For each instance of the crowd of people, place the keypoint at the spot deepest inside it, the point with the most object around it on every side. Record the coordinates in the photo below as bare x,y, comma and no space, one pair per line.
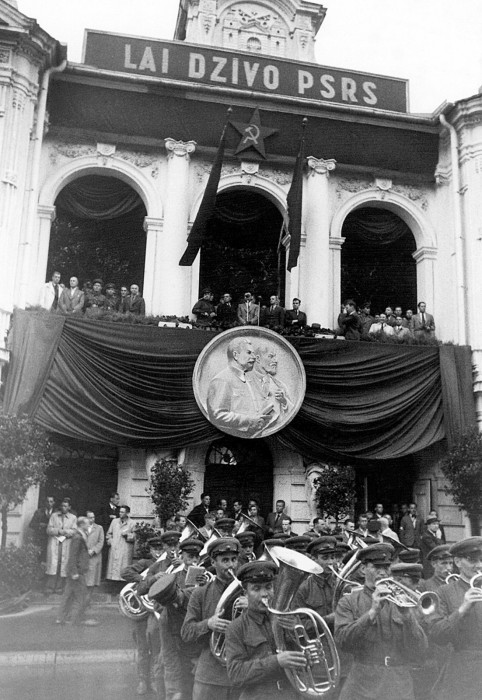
190,648
93,299
361,324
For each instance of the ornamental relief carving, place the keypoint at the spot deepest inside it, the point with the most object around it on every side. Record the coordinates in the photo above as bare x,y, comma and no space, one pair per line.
4,55
414,194
347,186
70,150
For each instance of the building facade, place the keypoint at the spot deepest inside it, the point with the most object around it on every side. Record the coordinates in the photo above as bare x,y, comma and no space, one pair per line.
129,114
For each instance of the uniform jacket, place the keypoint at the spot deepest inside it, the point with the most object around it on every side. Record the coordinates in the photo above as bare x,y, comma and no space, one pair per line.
248,316
78,561
316,592
136,305
121,548
71,303
292,315
202,605
203,309
95,541
401,639
461,678
251,659
233,401
68,525
273,522
409,533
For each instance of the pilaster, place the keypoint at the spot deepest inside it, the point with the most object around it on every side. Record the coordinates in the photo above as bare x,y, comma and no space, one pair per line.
152,283
45,216
335,279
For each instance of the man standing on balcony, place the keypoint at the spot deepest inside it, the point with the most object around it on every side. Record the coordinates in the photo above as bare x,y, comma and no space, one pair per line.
248,311
50,293
72,300
136,305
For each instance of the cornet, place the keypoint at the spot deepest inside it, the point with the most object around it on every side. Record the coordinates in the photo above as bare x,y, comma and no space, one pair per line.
404,597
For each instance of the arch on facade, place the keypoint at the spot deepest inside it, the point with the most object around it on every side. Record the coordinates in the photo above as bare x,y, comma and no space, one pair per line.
104,166
246,182
422,231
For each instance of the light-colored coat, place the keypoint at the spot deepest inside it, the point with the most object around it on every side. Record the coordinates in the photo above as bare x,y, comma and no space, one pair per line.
120,538
47,295
59,524
71,302
95,542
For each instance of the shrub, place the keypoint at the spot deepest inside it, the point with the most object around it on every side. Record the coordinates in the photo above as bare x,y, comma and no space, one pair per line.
20,570
169,488
143,531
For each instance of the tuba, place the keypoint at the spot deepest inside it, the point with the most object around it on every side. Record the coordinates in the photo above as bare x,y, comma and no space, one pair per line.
190,530
247,523
309,632
343,579
229,604
404,597
133,605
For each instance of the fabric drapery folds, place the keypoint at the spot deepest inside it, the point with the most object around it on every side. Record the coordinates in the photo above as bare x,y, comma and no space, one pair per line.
129,384
97,197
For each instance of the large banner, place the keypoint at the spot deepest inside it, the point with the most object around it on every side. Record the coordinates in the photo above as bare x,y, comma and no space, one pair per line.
206,65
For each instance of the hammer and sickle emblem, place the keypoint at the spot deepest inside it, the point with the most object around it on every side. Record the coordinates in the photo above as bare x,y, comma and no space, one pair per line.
252,134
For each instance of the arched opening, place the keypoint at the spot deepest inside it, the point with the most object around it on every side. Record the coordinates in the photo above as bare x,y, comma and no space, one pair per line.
243,250
240,469
98,232
377,261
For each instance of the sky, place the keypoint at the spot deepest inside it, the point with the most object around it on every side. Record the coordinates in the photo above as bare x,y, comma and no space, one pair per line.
436,44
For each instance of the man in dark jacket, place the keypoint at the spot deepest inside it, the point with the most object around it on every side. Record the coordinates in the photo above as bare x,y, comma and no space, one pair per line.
74,595
350,323
39,524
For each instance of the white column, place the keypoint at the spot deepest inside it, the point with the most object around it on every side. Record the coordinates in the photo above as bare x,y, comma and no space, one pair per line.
152,279
335,280
425,258
173,283
314,287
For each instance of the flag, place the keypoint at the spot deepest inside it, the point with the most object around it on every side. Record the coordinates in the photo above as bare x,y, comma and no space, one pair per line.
295,203
199,228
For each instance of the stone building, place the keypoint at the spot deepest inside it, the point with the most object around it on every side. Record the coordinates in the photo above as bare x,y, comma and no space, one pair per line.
141,119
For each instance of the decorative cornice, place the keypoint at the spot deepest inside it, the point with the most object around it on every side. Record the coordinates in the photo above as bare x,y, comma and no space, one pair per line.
443,175
151,223
46,211
336,243
183,149
320,166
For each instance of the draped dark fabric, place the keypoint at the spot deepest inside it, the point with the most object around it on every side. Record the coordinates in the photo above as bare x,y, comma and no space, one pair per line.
97,197
130,384
376,226
457,393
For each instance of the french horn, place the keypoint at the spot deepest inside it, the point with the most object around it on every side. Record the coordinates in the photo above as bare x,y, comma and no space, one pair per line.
306,630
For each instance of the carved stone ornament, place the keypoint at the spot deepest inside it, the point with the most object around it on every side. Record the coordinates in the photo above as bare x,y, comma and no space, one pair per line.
383,183
141,160
4,55
106,149
414,194
70,150
279,176
249,168
443,175
247,397
320,166
250,16
351,186
179,148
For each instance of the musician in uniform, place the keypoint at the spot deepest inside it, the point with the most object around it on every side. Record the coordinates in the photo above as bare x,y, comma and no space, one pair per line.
253,662
458,620
298,543
383,638
442,562
172,596
246,540
211,680
146,630
317,591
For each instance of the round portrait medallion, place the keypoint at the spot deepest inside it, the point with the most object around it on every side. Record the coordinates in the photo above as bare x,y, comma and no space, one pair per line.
249,382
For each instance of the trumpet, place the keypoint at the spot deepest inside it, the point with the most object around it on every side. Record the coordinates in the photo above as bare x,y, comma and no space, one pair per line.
404,597
475,582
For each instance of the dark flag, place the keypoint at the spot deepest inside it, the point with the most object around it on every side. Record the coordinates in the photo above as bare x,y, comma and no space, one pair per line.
206,208
295,203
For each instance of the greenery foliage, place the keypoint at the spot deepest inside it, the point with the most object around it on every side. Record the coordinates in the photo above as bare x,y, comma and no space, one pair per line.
169,489
20,570
24,458
462,467
144,531
335,490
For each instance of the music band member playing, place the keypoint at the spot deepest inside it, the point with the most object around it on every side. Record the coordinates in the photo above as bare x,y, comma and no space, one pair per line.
252,660
458,620
317,591
383,638
442,563
211,680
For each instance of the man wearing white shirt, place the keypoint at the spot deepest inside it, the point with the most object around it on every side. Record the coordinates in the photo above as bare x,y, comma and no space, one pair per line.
50,293
381,327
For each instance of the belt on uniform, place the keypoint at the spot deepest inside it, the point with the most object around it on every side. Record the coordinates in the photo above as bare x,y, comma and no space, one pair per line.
388,661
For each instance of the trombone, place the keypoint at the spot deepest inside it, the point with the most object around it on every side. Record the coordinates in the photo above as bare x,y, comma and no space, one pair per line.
404,597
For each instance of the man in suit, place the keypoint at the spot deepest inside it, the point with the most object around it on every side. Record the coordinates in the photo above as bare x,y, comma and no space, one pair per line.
423,323
408,320
399,331
226,312
350,323
248,311
95,543
39,525
411,527
72,300
123,307
50,293
136,304
273,520
196,516
294,318
274,315
74,596
429,541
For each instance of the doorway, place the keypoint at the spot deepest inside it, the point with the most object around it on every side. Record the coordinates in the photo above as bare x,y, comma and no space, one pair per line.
240,470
